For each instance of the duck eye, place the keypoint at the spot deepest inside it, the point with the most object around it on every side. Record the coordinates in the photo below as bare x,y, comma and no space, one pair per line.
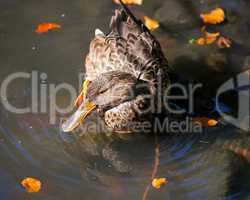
102,91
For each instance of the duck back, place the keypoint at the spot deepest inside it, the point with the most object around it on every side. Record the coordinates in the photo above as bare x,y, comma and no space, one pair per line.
129,47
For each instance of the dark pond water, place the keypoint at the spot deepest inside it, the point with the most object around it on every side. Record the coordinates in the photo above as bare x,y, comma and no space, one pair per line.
198,166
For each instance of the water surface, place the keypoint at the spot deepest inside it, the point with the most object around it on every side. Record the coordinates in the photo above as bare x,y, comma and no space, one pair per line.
73,166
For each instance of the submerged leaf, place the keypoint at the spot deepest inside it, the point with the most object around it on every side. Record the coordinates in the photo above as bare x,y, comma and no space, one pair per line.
216,16
159,182
129,2
151,24
31,184
45,27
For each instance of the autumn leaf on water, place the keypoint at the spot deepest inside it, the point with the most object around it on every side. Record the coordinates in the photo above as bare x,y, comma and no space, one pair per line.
159,182
129,2
224,42
216,16
205,121
208,38
31,185
45,27
151,24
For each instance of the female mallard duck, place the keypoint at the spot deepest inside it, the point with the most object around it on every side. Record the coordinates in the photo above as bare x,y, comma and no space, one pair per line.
126,71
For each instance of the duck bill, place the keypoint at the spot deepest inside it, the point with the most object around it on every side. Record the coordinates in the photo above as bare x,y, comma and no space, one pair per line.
78,117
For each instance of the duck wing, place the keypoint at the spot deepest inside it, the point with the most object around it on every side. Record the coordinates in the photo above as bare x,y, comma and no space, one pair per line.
129,47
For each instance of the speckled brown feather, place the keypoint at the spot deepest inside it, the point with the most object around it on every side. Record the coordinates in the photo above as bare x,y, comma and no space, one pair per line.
129,47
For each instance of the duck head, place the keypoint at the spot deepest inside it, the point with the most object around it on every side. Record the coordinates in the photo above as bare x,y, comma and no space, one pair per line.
108,91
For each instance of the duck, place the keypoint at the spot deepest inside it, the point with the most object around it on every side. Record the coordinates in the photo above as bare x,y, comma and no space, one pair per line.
126,76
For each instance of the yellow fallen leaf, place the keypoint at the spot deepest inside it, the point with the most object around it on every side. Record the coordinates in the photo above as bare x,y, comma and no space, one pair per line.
151,24
216,16
129,2
224,42
31,184
159,182
205,122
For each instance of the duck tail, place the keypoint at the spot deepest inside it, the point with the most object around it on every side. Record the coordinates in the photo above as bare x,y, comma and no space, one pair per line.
128,12
123,18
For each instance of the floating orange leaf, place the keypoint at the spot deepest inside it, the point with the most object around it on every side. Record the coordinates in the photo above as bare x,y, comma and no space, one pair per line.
205,122
206,41
224,42
151,24
159,182
31,184
129,2
45,27
216,16
208,38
